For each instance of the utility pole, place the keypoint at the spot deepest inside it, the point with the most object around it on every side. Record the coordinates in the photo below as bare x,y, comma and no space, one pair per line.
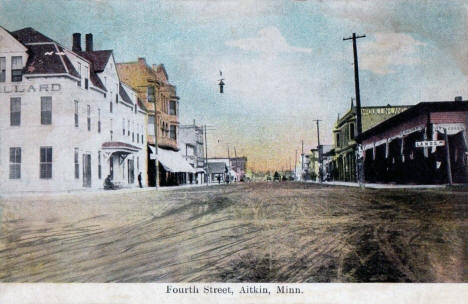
295,165
206,157
319,150
156,160
360,173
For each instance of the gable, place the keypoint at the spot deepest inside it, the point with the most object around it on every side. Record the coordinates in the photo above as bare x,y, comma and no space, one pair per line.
8,44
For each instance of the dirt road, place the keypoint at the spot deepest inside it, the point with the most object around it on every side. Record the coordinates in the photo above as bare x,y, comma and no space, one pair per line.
263,232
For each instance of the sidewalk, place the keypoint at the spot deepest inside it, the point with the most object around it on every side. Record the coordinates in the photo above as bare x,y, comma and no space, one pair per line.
378,186
104,192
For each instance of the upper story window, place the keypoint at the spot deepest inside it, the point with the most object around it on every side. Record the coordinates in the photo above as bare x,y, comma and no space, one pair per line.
337,139
88,112
76,113
99,121
2,69
351,131
150,94
111,131
173,107
79,72
46,110
15,111
16,68
86,80
123,126
110,106
128,130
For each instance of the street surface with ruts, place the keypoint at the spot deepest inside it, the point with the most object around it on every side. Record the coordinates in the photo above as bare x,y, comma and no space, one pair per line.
255,232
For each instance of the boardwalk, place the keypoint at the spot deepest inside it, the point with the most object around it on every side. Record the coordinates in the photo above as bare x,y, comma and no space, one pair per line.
273,232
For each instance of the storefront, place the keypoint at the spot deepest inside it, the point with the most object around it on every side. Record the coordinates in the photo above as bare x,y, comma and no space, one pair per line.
418,145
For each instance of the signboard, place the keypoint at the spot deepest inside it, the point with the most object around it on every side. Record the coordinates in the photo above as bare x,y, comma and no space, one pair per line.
429,143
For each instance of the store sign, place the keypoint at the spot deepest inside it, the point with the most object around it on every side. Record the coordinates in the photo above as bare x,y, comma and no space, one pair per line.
19,88
429,143
382,110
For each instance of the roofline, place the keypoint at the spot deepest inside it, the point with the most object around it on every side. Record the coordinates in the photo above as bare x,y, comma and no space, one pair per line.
423,107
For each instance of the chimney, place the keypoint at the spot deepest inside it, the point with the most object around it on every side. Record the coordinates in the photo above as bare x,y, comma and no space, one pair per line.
76,42
458,98
89,42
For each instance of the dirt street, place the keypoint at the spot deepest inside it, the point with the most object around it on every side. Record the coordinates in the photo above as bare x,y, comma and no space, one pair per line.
258,232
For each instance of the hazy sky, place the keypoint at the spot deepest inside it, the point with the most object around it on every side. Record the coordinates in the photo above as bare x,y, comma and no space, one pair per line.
284,62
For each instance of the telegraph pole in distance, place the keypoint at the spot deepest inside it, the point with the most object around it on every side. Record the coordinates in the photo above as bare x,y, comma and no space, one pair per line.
360,171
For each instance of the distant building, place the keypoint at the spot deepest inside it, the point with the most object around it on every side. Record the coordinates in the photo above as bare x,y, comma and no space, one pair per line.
314,162
236,167
217,171
343,167
67,121
191,147
391,154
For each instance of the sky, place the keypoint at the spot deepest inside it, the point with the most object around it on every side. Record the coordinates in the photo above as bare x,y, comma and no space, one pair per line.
284,62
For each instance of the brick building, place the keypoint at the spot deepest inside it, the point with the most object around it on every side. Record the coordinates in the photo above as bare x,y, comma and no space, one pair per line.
152,86
391,155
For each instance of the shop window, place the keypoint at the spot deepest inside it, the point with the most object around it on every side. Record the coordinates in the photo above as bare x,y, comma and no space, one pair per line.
15,163
2,69
46,162
77,164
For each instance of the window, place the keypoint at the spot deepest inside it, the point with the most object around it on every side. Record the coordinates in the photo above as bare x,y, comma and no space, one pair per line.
173,107
76,113
77,164
111,131
86,81
110,106
123,126
138,163
46,162
15,163
172,133
46,110
136,108
150,94
351,131
99,165
142,139
338,139
15,111
79,72
189,150
116,98
88,112
99,121
16,68
2,69
128,130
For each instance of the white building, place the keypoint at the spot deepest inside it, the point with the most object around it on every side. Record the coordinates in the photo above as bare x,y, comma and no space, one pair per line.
67,121
192,149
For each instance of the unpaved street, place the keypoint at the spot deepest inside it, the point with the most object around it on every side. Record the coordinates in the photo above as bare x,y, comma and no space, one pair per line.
258,232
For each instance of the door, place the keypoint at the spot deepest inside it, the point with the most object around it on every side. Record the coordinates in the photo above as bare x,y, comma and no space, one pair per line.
131,172
111,166
86,170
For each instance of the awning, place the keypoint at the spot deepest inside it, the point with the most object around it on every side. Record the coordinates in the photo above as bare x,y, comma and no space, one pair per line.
172,161
118,146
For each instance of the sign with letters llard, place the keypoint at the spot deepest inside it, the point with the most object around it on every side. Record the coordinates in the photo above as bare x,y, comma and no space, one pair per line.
429,143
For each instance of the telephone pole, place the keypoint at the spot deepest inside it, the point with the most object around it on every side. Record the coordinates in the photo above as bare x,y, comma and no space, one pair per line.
319,150
359,166
356,81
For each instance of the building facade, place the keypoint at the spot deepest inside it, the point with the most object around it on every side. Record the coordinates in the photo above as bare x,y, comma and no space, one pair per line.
402,149
191,147
343,166
152,86
60,129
